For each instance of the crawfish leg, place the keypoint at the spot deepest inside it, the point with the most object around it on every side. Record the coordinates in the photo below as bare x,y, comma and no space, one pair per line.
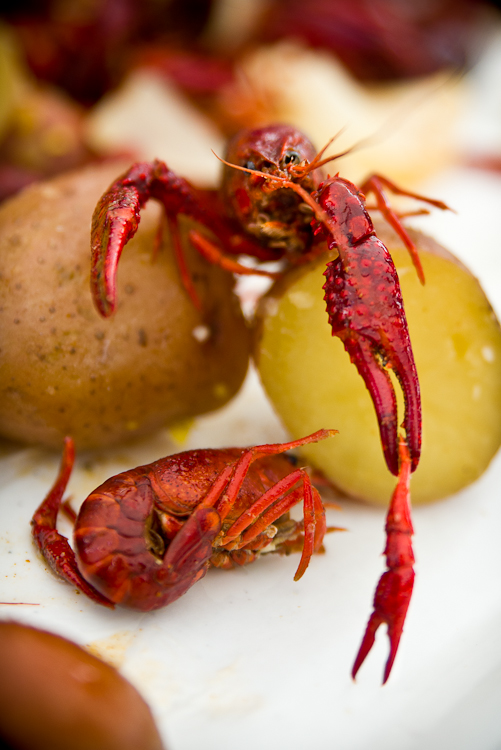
274,503
184,272
53,545
224,492
188,555
375,184
394,590
240,469
212,252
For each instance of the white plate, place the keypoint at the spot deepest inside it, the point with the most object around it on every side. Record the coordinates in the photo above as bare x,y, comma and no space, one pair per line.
249,658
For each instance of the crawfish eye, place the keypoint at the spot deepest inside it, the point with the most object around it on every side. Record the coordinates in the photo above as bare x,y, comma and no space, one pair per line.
249,165
291,157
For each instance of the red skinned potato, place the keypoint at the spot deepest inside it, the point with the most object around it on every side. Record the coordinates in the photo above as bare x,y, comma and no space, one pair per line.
64,370
54,695
456,339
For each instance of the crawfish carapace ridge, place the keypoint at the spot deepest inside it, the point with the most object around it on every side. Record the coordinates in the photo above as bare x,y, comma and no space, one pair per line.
145,536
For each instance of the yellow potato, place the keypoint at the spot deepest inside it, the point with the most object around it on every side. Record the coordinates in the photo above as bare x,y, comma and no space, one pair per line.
456,340
63,368
54,695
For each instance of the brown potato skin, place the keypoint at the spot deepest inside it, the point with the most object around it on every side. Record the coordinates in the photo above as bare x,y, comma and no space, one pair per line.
54,695
64,369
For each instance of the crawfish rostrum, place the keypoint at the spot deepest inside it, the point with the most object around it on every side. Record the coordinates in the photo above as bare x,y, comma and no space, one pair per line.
276,204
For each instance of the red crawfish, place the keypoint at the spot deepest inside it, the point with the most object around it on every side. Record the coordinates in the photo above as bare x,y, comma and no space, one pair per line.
263,209
145,536
274,203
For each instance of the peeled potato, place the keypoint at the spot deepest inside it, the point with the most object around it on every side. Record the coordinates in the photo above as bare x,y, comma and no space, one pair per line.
456,340
54,695
64,370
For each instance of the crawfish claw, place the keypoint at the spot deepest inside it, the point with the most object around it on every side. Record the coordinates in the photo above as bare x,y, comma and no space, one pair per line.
391,601
117,216
372,356
394,590
381,390
114,223
371,323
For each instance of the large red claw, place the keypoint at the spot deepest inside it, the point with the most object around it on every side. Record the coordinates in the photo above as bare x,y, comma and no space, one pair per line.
114,223
117,215
365,309
394,590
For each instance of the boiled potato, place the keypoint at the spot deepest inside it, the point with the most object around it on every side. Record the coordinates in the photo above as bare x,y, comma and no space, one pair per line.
456,340
54,695
64,369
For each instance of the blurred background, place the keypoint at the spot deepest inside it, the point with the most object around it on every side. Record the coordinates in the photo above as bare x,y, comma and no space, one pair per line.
172,79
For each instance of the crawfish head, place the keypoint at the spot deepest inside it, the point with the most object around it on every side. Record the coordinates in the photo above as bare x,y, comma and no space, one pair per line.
276,216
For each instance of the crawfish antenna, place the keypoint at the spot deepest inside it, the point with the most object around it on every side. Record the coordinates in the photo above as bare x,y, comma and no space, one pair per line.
301,170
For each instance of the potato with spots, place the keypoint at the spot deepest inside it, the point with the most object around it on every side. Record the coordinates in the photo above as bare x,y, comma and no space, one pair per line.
63,368
54,695
456,340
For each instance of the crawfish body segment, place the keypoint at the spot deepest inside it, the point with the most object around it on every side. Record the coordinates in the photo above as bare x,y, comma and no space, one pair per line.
365,309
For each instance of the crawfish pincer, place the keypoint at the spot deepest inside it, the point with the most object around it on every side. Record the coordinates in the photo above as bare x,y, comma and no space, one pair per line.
394,590
366,311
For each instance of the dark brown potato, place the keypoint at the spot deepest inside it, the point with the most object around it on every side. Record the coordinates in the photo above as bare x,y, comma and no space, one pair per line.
64,369
55,696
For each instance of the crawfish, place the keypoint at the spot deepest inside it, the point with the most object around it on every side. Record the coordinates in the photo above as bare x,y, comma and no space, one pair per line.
263,210
274,203
145,536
